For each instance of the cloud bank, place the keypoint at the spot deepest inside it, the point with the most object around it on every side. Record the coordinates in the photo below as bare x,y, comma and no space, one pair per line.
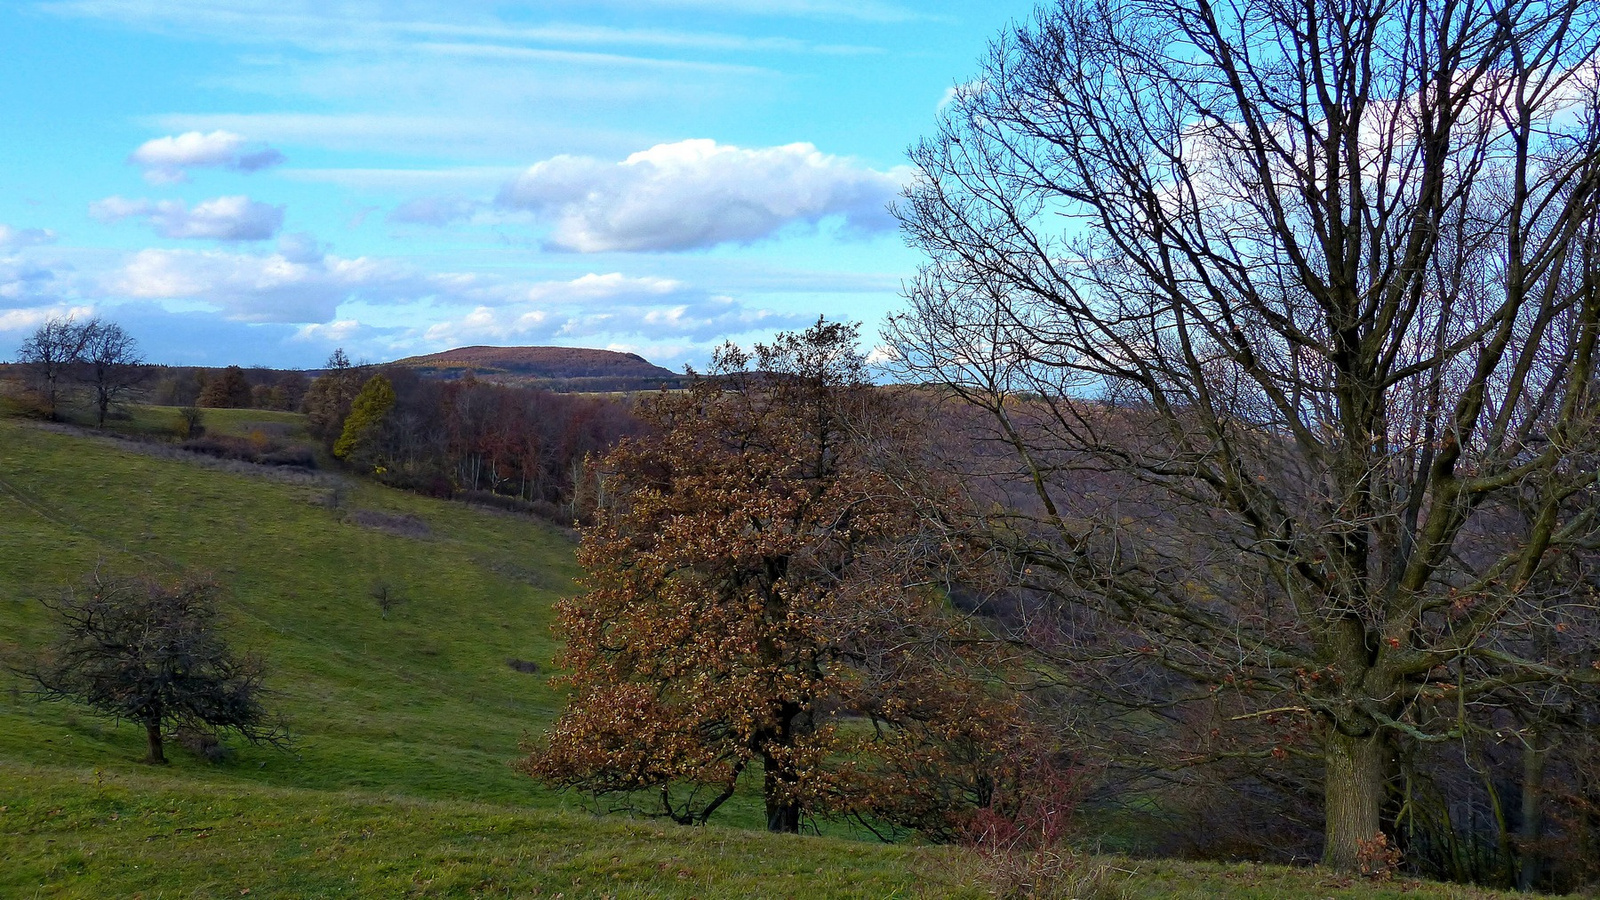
297,284
698,193
611,304
223,219
166,160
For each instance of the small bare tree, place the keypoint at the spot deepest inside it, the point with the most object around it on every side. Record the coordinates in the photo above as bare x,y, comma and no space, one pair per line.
133,648
1285,317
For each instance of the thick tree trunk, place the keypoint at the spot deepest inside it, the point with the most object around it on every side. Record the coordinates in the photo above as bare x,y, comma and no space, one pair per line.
779,778
783,813
783,816
1353,780
152,732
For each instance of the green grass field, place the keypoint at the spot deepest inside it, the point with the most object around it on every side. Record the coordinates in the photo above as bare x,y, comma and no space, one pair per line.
400,782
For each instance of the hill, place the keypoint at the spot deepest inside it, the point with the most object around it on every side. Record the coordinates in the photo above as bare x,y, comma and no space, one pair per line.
541,364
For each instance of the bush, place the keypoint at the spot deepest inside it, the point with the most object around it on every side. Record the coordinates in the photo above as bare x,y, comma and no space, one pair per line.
190,422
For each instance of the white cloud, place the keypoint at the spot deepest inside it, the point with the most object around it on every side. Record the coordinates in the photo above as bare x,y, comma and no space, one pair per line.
28,319
282,287
337,332
236,218
965,92
166,160
699,193
611,286
608,305
25,279
441,134
13,239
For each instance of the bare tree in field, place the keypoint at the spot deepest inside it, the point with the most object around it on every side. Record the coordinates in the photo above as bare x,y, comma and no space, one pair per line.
152,653
1311,293
50,354
111,364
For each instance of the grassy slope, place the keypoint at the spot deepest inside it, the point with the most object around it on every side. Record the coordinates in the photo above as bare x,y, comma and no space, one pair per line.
400,783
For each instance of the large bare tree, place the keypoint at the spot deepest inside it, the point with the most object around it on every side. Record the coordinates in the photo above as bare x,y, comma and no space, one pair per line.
1308,294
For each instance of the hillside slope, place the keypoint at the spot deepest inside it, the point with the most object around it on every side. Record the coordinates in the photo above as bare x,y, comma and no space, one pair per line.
421,702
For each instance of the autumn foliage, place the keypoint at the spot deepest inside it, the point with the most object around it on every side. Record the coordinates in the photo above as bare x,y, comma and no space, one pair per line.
759,598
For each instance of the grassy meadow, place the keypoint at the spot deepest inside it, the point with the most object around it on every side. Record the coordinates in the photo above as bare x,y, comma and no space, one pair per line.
405,723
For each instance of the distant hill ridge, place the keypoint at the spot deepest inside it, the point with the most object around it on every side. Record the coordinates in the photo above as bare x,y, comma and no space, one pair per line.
537,362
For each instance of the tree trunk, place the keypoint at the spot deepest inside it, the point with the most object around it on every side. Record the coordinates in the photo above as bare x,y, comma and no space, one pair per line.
1353,781
152,733
1533,757
783,815
778,775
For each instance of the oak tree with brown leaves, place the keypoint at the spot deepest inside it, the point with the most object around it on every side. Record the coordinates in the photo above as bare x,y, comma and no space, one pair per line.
759,597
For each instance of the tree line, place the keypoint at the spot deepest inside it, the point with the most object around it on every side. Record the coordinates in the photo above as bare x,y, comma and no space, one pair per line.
516,445
522,445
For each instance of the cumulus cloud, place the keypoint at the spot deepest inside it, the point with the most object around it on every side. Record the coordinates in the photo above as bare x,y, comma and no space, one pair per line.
235,218
611,286
337,332
14,239
699,193
23,283
166,160
281,287
965,92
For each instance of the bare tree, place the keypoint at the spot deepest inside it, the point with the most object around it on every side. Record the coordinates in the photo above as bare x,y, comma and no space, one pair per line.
112,365
135,649
1310,294
50,353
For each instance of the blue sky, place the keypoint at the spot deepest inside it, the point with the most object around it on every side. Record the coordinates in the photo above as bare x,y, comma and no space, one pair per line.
259,181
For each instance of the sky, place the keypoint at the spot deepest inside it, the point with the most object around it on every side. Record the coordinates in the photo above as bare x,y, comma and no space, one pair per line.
261,181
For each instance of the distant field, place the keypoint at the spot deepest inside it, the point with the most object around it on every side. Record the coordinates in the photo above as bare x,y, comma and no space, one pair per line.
400,783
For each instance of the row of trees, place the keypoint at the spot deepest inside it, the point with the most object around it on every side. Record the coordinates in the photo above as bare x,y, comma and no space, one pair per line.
450,437
94,354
